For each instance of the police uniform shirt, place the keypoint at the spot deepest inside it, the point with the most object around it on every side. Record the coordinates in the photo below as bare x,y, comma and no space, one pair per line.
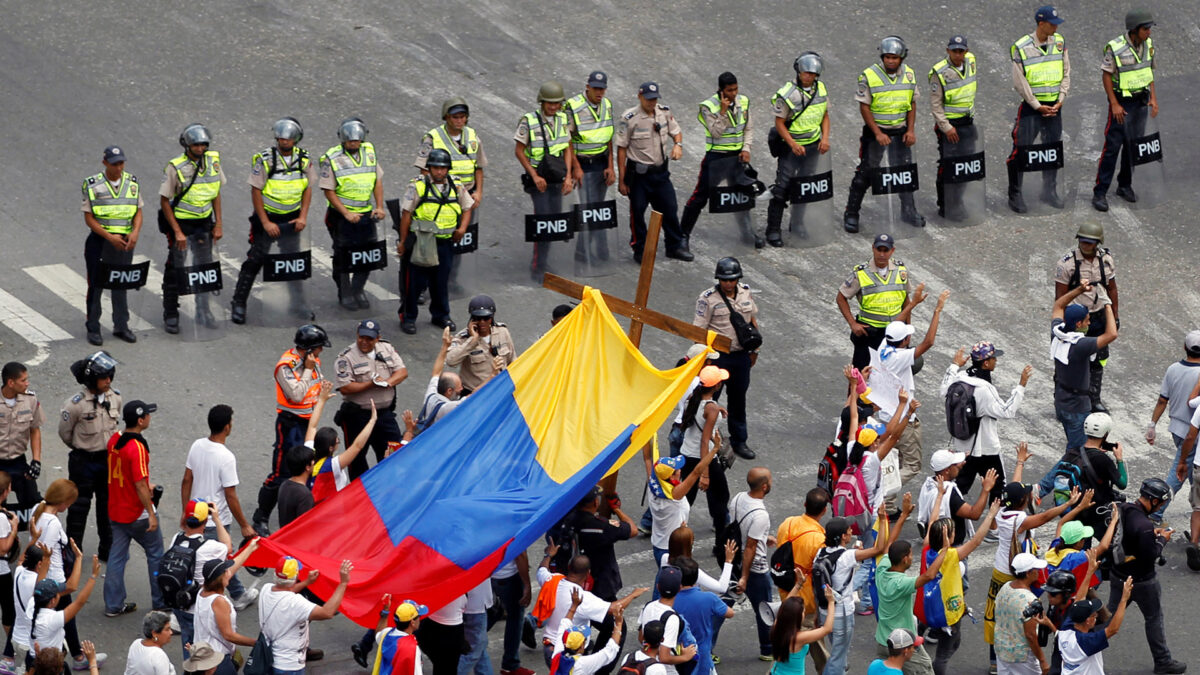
327,181
89,420
852,289
1089,270
635,132
17,417
171,185
354,366
427,147
1110,67
409,202
1018,72
87,204
717,123
473,356
799,96
259,169
713,314
587,111
863,93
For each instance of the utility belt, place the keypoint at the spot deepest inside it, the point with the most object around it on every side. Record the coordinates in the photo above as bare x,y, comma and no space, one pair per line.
353,409
291,417
1140,97
600,161
188,226
964,121
637,168
101,451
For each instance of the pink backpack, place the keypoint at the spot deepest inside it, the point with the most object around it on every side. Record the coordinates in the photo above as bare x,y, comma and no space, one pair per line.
850,499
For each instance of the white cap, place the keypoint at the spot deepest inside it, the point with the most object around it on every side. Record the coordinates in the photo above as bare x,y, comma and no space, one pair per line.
1191,341
944,459
695,350
1023,562
898,330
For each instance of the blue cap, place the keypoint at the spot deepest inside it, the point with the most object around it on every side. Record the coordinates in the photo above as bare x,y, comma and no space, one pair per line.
114,154
957,42
884,239
649,90
1048,14
598,80
675,462
368,328
48,588
1073,314
670,580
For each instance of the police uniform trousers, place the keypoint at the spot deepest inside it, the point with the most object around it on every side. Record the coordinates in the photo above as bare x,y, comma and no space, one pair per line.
1032,125
1097,324
968,138
256,255
652,187
289,432
546,201
717,496
1117,139
788,167
88,469
24,495
863,344
172,271
352,419
344,234
738,365
592,189
414,279
94,248
701,194
870,156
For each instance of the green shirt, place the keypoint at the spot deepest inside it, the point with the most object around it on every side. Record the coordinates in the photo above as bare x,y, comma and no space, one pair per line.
897,591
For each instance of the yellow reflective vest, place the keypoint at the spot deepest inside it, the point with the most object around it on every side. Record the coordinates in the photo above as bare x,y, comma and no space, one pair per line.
1043,69
113,209
891,98
958,88
734,136
438,207
462,153
355,177
546,135
287,178
1133,72
882,297
593,128
197,201
805,127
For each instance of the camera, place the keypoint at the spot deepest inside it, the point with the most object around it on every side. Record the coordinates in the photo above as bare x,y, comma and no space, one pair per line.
1034,609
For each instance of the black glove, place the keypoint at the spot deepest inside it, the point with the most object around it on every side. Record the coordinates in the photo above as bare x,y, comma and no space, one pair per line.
35,469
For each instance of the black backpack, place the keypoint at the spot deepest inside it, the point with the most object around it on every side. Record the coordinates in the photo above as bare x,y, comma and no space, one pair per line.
783,567
962,420
733,532
632,666
823,568
176,575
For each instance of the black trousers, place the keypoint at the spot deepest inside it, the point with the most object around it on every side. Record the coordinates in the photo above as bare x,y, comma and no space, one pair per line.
699,199
977,467
202,254
738,365
345,233
864,344
289,432
654,189
89,472
1117,137
94,248
1031,125
442,644
414,279
353,419
717,494
968,138
260,243
870,157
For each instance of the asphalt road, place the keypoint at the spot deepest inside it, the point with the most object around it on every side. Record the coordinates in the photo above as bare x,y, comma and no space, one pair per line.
135,73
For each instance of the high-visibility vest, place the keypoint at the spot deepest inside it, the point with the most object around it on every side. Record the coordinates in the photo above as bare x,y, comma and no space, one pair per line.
558,141
355,177
882,297
197,201
462,154
958,88
287,179
1043,70
440,208
113,209
891,99
805,128
305,407
593,131
1136,76
734,136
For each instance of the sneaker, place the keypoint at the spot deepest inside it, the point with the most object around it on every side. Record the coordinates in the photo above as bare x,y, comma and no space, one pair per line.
81,662
1171,666
520,670
991,537
716,660
246,599
643,530
866,611
1193,558
528,632
766,657
123,609
992,668
8,667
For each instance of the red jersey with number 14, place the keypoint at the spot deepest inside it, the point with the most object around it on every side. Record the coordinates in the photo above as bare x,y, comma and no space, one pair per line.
128,463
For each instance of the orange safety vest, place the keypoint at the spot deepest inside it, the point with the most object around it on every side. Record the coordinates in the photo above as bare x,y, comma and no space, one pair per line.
305,407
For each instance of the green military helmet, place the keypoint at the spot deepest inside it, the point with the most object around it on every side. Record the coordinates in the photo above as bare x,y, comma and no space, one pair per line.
1090,230
451,106
438,157
1136,18
550,92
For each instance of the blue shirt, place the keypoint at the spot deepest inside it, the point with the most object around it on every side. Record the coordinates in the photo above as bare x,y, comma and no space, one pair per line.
700,609
878,667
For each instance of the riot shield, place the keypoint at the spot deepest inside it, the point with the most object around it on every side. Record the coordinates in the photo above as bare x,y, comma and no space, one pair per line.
1143,147
549,229
464,270
287,264
1039,158
894,182
197,267
962,197
810,200
595,227
731,201
358,248
123,280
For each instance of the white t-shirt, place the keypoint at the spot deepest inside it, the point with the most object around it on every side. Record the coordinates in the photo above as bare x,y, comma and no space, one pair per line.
283,618
507,571
50,533
5,530
898,362
653,611
872,473
666,515
755,524
143,660
479,598
590,663
452,613
591,609
23,582
705,581
692,435
49,631
843,572
683,401
652,669
1007,522
214,468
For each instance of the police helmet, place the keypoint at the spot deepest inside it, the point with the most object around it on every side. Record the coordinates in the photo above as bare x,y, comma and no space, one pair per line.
1060,581
482,307
1090,230
311,336
728,268
1097,425
1136,18
289,129
98,365
893,45
809,62
352,129
550,92
195,134
1155,488
438,157
452,106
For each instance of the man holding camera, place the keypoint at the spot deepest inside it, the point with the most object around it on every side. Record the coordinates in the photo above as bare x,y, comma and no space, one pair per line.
132,508
483,349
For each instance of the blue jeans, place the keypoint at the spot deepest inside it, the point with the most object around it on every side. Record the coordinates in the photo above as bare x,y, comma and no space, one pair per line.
187,630
508,594
118,555
839,642
280,671
1174,482
1072,423
476,661
760,589
236,589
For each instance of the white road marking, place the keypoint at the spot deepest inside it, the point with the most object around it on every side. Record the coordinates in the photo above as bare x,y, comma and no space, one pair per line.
69,285
34,328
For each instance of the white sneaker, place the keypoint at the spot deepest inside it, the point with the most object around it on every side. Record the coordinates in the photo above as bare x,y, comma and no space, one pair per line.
81,663
246,600
175,625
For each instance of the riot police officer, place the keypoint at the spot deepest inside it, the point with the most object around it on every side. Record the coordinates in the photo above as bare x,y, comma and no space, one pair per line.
190,216
483,348
590,118
351,179
882,287
543,147
367,372
952,100
89,419
1091,262
802,123
112,210
1041,73
281,180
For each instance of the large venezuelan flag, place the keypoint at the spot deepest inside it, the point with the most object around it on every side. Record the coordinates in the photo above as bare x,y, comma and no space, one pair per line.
479,487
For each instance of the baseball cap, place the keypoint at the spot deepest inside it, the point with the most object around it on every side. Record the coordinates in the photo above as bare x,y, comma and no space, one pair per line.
944,459
1014,493
575,637
665,466
698,349
368,328
884,239
598,80
288,568
213,569
1073,314
984,350
898,330
135,410
1082,609
902,638
1191,341
196,510
1074,530
1024,562
48,588
1049,14
113,154
711,375
869,433
670,580
957,42
649,90
409,610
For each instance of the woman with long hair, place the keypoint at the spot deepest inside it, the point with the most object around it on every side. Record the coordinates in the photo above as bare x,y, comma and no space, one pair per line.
789,643
680,546
216,618
699,427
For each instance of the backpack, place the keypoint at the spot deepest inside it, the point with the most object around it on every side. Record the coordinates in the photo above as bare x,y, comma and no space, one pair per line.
850,499
823,568
830,468
962,420
565,534
176,575
733,532
783,567
632,666
1117,550
1074,470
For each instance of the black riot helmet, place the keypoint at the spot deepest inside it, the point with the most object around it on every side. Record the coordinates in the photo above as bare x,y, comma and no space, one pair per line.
482,307
95,367
1155,488
438,157
1060,581
310,336
728,268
